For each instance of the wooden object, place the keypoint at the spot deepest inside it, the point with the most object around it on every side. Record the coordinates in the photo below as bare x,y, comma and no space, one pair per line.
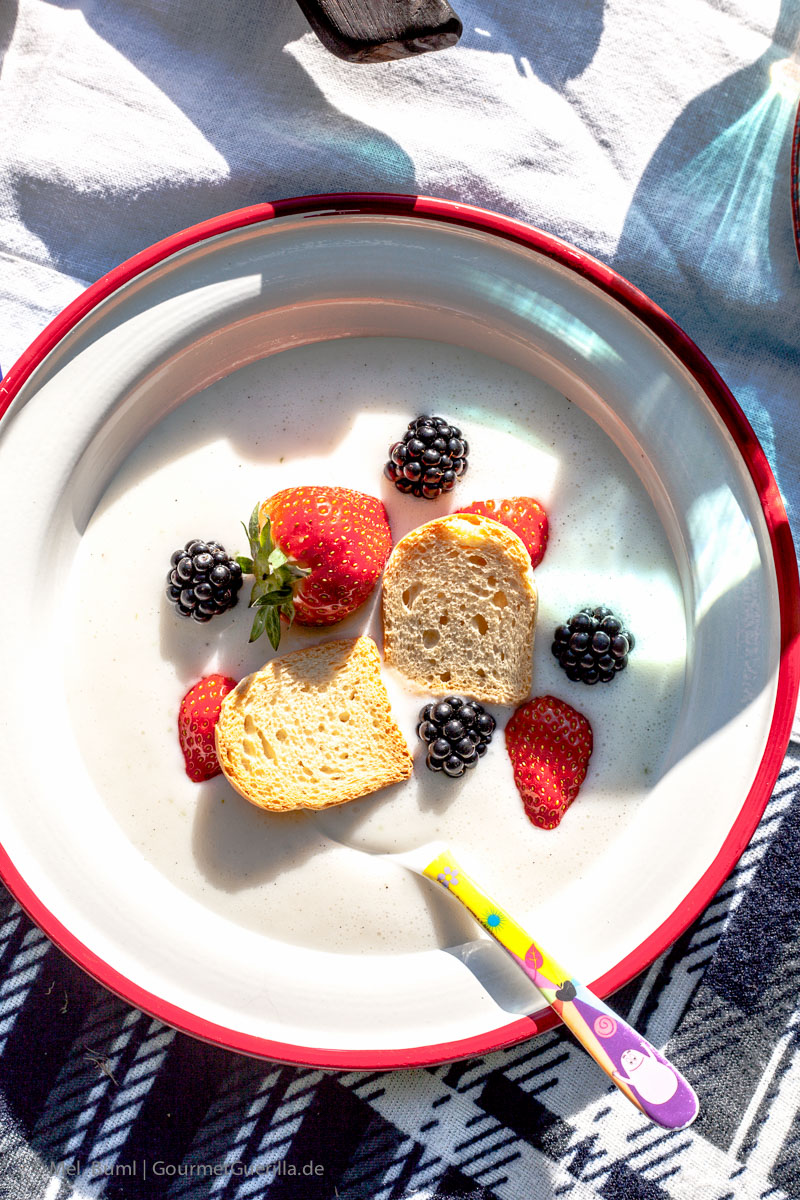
379,30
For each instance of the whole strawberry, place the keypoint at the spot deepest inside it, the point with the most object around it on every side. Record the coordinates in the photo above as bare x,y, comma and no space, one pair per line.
522,514
317,554
549,745
199,713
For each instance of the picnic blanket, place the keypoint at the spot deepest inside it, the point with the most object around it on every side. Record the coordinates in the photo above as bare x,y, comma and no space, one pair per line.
651,134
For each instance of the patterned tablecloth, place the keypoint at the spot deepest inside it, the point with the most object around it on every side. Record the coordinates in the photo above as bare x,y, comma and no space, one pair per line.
653,135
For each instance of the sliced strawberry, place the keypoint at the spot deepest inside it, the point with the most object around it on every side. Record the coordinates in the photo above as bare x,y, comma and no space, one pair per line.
317,554
524,515
549,745
198,715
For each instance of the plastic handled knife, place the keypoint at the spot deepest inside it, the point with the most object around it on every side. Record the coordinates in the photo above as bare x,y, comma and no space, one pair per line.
640,1071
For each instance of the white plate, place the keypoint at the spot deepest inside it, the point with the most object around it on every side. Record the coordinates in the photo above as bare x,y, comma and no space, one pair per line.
290,344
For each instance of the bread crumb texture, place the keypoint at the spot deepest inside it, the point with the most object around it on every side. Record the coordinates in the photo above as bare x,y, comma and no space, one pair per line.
459,609
312,729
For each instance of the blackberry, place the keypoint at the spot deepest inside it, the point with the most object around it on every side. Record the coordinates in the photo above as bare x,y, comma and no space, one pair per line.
203,580
457,733
429,459
593,646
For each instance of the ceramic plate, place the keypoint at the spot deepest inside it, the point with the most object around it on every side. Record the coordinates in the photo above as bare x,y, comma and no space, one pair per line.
290,344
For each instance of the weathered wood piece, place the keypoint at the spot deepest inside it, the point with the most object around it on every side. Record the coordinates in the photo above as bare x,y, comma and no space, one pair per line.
379,30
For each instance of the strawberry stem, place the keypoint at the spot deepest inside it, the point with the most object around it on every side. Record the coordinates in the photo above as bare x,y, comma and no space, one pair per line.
276,579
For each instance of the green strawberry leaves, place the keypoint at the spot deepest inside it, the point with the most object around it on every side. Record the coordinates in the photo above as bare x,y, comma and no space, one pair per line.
276,578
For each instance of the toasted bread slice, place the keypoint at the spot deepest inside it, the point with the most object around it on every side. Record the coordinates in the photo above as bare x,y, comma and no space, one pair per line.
459,609
312,729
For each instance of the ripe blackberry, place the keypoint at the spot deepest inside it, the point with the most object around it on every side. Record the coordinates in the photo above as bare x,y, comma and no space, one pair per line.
457,733
429,459
593,646
204,580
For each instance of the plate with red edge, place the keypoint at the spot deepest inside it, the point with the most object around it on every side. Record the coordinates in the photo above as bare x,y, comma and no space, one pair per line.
289,344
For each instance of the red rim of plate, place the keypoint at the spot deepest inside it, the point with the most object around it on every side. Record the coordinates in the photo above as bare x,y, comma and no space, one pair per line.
785,562
795,181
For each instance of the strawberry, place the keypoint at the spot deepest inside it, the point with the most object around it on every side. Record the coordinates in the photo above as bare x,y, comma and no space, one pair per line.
549,745
317,553
523,515
198,715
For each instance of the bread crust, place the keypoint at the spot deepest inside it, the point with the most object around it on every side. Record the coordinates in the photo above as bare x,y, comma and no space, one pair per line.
459,609
312,729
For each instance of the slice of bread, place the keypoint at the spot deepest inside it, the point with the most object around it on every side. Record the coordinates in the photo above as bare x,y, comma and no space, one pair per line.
459,609
312,729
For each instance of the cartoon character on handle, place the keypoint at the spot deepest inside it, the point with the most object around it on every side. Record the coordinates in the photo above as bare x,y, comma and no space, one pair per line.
646,1078
653,1080
636,1067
